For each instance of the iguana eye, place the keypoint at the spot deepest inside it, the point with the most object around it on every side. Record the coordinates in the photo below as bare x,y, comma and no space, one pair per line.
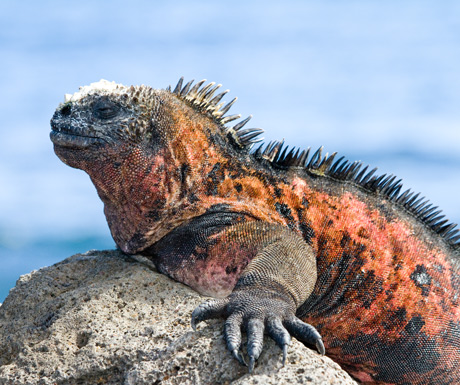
104,108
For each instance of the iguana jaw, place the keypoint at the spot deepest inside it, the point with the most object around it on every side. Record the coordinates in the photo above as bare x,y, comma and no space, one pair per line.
68,139
74,147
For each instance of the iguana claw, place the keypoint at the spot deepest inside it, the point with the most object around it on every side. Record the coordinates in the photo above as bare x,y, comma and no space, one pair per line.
256,312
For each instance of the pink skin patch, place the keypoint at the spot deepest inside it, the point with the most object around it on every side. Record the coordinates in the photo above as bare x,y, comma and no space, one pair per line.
216,275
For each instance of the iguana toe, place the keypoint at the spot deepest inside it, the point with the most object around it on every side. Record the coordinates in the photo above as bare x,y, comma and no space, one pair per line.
232,335
279,334
305,332
255,332
208,310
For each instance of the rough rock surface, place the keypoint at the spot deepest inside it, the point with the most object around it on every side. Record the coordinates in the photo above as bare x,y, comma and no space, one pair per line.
105,318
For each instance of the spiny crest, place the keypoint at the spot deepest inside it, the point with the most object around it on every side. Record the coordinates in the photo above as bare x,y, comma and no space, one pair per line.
387,186
203,99
280,156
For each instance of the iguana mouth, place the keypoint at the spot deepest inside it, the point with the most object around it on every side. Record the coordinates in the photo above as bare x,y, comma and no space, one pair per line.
61,135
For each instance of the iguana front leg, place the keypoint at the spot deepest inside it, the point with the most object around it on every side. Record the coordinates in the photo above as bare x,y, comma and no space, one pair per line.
274,284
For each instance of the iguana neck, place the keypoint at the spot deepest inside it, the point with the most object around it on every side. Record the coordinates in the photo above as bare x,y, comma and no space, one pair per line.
147,192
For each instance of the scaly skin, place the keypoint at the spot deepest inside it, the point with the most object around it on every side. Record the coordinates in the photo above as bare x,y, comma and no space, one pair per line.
283,242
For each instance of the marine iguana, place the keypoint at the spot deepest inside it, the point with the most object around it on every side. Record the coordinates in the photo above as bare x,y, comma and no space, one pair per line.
291,244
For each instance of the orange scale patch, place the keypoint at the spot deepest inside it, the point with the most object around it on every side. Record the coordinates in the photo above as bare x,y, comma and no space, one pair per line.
392,253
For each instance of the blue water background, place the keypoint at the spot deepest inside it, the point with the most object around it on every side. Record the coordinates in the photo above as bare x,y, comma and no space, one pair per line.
375,81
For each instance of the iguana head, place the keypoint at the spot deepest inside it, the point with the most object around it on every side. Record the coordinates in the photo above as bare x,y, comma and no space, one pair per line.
101,117
147,151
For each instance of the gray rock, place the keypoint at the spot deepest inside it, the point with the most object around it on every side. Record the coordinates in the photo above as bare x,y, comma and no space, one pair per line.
105,318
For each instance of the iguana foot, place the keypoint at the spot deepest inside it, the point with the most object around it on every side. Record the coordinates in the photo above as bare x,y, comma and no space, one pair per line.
257,311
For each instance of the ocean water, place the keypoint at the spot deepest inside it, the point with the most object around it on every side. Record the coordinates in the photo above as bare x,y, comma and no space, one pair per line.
375,81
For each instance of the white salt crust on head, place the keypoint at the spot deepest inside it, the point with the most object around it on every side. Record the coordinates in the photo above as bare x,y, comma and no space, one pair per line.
101,85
